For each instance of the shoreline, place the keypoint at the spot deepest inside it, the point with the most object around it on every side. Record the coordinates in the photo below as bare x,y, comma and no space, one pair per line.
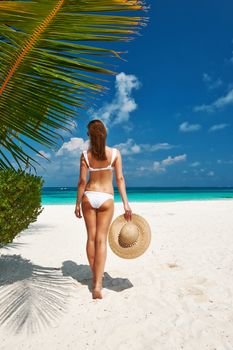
161,201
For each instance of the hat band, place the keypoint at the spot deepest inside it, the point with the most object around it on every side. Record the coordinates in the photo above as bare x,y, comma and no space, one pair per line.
123,244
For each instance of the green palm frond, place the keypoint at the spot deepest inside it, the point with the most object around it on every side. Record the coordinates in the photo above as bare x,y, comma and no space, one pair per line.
48,68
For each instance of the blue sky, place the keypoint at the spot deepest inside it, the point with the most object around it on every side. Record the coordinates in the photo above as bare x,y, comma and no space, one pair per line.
170,108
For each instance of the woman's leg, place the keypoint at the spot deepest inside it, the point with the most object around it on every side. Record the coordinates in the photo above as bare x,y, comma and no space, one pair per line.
104,218
89,214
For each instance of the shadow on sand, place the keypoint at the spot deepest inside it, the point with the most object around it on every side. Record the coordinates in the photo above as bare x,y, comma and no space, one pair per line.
83,275
34,297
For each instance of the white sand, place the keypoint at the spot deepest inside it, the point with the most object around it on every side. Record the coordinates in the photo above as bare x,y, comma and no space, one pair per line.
178,295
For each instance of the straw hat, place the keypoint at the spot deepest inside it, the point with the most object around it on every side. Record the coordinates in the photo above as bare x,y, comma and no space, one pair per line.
129,239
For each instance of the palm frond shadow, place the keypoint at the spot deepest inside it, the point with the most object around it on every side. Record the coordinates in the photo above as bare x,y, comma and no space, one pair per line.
83,275
12,245
32,297
36,228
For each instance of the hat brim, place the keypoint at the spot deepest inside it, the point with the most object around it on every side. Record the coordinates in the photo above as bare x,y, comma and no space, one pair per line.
143,240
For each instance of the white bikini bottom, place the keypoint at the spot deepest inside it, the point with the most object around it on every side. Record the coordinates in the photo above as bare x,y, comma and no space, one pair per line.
97,198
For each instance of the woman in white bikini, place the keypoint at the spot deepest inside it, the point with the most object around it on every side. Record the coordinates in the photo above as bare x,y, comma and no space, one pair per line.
96,197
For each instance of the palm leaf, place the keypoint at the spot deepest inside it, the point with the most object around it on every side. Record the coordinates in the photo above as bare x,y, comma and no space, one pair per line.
48,67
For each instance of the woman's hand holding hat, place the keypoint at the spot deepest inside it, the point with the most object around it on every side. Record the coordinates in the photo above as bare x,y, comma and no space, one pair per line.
128,212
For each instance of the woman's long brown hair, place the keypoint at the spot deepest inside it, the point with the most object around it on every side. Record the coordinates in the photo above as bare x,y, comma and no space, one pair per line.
98,134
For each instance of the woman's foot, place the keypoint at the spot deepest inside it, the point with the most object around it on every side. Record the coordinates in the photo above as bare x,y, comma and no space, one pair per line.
96,293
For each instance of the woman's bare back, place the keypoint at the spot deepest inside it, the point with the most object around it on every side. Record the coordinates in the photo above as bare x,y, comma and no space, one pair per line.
101,180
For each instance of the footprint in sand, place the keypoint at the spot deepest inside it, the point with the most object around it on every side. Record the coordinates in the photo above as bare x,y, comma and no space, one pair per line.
200,280
196,293
171,265
193,286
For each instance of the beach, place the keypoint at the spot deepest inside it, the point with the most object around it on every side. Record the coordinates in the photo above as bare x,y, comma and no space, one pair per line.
177,295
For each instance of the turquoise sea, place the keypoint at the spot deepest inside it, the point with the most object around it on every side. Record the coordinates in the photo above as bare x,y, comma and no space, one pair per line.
67,195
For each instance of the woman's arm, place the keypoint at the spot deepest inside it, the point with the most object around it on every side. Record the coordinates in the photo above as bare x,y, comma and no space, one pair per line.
81,185
121,185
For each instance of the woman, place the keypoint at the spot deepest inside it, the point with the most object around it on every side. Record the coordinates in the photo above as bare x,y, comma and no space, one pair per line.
96,197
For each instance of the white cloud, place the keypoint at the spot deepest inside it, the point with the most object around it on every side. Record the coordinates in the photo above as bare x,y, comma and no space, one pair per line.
218,127
130,147
210,82
221,102
158,146
142,168
160,167
186,127
206,78
220,161
210,173
195,164
74,146
118,111
171,160
136,149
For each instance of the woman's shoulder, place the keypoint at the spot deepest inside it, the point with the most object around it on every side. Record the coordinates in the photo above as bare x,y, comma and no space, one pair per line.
111,148
114,151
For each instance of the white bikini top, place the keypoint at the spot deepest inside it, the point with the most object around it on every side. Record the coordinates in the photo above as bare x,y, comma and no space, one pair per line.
109,167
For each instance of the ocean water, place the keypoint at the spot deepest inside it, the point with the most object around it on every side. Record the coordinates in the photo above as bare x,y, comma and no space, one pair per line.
67,195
